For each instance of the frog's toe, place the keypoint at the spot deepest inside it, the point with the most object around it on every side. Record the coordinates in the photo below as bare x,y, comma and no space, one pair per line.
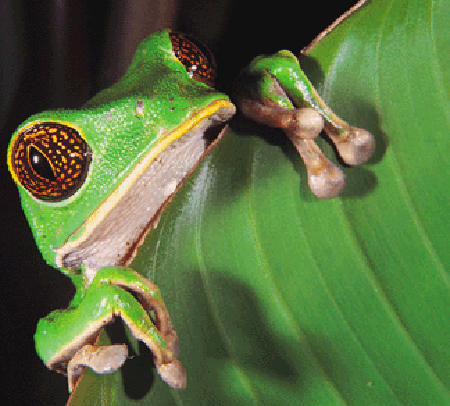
355,145
308,123
325,179
303,122
173,374
328,182
101,359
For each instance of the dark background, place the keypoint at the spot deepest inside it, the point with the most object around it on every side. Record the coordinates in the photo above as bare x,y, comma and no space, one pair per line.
59,54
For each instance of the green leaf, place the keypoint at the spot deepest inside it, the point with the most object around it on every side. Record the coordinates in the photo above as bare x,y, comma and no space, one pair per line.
279,298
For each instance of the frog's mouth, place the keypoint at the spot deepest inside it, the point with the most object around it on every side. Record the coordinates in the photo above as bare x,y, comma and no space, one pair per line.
111,235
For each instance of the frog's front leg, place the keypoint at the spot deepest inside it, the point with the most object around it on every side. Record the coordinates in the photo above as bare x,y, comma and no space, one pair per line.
274,91
65,338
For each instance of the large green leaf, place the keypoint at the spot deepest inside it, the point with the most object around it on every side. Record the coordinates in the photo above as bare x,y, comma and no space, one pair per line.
279,298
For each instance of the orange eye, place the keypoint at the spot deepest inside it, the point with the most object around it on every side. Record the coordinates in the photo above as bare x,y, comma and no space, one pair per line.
196,57
50,160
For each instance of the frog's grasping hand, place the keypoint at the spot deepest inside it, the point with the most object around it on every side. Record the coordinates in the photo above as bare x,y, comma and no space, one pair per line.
274,91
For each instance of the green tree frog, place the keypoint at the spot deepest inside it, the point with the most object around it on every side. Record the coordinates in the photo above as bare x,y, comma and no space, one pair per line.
93,183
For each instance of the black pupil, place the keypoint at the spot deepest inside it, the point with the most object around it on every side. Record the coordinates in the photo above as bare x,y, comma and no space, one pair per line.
40,164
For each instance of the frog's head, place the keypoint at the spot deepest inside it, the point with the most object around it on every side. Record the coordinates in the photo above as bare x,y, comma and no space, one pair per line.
93,180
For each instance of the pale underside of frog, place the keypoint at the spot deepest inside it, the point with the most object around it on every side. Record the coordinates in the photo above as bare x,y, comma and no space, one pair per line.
93,183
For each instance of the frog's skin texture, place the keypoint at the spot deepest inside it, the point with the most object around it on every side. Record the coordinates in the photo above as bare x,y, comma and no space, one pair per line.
93,182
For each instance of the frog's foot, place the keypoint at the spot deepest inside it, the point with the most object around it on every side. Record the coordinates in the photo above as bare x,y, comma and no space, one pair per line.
64,339
302,125
274,91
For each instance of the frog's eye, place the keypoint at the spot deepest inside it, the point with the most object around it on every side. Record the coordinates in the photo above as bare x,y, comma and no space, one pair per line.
50,160
196,57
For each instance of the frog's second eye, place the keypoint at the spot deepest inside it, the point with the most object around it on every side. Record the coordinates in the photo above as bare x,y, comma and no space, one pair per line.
196,57
50,160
